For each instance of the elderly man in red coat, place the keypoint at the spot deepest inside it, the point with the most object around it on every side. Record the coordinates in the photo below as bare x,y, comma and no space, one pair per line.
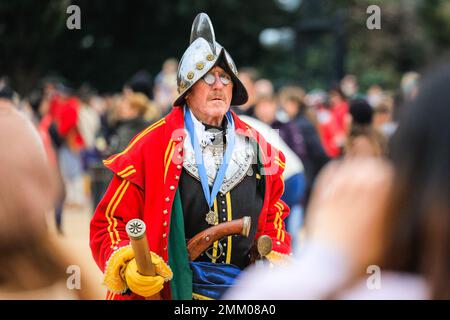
198,167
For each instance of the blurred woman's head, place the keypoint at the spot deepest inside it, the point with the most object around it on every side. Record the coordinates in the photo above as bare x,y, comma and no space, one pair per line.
418,221
133,105
361,112
382,113
336,95
365,141
292,100
266,109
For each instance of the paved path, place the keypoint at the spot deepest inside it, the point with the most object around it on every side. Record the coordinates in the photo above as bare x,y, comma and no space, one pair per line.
76,239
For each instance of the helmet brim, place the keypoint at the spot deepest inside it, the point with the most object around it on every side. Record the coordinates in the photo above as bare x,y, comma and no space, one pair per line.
240,95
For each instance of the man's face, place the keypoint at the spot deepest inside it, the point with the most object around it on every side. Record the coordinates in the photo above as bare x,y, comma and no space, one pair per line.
209,101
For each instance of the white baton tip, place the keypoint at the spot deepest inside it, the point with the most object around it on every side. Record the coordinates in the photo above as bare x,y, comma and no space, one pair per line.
135,229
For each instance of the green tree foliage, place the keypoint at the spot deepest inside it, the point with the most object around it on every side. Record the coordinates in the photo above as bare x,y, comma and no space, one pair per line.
118,38
27,32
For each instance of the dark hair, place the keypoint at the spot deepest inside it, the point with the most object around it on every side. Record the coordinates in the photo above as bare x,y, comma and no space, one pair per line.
6,92
35,99
295,94
361,112
142,82
336,88
418,235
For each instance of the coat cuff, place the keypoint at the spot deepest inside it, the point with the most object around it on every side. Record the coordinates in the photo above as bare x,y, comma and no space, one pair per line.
276,258
115,268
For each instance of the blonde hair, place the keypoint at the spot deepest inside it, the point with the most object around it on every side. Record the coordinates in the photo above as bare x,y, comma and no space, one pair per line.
138,102
375,137
144,107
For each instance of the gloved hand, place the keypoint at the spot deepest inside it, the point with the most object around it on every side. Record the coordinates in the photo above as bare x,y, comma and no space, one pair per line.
145,286
121,273
278,259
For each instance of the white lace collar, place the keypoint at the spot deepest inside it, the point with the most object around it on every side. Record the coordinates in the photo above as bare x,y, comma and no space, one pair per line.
204,136
240,164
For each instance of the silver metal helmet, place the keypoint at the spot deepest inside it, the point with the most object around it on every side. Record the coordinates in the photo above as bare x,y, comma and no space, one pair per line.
201,56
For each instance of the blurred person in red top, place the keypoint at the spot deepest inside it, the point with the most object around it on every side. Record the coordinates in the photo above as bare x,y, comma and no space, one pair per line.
64,113
62,118
43,121
340,108
331,135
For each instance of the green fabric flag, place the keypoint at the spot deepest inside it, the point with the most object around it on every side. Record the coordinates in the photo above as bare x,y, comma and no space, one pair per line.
181,283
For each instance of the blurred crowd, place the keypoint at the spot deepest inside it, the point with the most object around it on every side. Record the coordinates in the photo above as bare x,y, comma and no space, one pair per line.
81,127
378,221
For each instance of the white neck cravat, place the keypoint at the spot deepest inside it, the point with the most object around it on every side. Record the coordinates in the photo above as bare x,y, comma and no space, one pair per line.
240,163
204,136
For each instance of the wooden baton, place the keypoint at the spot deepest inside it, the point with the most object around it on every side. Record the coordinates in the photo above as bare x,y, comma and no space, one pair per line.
136,232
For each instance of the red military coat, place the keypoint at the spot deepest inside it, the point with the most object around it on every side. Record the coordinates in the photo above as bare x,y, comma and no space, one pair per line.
146,178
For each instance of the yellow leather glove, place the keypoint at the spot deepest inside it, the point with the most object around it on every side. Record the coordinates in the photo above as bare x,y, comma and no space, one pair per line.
278,259
145,286
121,273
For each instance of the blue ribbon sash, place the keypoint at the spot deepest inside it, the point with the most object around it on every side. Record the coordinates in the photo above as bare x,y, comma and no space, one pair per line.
210,195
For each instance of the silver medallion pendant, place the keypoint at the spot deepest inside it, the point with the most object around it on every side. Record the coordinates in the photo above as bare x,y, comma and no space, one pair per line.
212,218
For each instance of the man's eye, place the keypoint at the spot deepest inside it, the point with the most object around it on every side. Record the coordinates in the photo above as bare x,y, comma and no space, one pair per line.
225,79
209,78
